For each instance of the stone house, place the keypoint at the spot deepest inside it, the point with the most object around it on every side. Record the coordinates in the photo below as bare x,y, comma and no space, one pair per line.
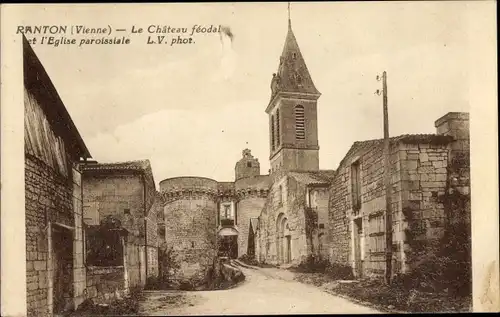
121,228
426,170
53,147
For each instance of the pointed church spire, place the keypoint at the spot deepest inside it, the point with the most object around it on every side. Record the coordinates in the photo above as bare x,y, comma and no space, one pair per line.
293,75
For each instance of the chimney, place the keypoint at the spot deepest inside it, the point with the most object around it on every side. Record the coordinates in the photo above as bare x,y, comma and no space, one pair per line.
456,124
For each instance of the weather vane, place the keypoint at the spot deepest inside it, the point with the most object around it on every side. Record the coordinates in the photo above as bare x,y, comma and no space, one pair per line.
289,19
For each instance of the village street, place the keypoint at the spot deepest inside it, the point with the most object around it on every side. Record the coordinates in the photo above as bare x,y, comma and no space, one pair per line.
264,291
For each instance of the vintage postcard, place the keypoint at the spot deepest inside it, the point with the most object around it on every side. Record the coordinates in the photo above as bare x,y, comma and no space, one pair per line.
249,158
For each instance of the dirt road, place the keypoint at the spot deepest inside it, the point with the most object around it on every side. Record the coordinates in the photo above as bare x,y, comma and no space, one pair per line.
265,291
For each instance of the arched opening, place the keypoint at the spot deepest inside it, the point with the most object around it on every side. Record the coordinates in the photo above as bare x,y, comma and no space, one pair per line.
283,240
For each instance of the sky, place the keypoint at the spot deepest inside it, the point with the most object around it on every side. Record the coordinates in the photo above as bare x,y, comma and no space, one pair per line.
192,109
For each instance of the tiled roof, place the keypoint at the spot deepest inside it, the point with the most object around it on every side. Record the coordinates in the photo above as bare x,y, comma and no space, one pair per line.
413,139
437,139
128,165
321,177
141,166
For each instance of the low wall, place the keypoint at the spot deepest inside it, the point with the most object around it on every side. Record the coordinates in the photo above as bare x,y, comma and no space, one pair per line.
104,284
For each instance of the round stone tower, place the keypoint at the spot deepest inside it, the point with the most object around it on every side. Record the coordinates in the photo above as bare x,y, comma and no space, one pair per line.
190,209
251,191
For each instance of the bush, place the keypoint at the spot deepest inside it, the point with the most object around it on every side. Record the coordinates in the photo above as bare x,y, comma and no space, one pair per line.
313,264
443,266
248,260
340,271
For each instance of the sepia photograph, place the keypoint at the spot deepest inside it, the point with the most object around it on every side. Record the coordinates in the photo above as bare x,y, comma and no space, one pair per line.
245,158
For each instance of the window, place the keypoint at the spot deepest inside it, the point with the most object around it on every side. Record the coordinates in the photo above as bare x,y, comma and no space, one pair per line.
126,211
356,186
300,129
249,164
272,133
322,226
278,127
104,248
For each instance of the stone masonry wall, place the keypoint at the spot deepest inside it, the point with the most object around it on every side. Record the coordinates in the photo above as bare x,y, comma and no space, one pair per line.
425,177
49,197
105,195
120,196
418,177
133,264
371,212
291,205
79,272
252,194
190,225
152,242
104,284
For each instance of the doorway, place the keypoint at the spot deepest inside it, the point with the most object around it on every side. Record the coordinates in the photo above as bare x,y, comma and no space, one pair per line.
62,263
358,260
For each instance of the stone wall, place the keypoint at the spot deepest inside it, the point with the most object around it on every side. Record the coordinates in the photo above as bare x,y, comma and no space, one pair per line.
318,200
105,284
49,198
79,272
418,177
152,241
424,181
252,194
121,196
190,226
291,206
133,264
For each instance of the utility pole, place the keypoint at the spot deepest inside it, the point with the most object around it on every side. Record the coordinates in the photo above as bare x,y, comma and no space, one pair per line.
387,184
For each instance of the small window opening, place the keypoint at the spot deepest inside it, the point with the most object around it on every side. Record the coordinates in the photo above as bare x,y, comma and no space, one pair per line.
126,211
249,164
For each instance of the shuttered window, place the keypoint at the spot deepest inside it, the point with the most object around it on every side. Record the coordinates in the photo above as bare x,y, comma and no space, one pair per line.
300,129
272,133
278,127
356,186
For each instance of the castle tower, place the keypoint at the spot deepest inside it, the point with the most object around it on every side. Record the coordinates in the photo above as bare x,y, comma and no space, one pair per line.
292,110
248,166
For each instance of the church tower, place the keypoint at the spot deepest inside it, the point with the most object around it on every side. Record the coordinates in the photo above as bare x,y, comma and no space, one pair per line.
292,110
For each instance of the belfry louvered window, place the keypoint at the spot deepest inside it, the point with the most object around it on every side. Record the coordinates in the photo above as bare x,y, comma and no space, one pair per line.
278,127
300,128
272,133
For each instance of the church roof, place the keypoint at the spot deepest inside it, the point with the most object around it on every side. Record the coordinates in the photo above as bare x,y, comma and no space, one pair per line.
293,75
321,177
